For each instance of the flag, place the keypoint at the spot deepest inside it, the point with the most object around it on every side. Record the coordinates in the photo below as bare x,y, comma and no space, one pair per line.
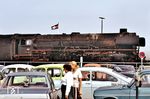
54,27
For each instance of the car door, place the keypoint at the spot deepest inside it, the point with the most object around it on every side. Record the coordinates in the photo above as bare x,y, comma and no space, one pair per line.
101,79
143,93
54,93
86,84
56,74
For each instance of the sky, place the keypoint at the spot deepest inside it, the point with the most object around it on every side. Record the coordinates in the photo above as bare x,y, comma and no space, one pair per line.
37,16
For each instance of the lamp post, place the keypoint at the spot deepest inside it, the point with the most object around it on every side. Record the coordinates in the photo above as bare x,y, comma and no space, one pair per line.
101,18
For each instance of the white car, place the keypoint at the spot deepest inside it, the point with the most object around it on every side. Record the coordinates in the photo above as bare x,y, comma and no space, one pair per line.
15,68
94,77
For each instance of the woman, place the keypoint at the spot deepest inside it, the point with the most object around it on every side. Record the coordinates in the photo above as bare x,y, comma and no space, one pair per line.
77,80
67,83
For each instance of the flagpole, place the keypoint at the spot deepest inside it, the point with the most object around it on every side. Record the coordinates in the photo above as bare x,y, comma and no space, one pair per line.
58,28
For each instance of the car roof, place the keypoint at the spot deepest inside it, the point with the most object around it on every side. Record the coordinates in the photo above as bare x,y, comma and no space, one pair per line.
125,65
98,65
27,73
18,66
92,65
49,65
95,69
106,70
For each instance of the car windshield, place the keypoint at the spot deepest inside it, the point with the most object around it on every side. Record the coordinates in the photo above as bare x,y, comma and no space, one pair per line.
131,82
120,74
9,70
144,81
127,68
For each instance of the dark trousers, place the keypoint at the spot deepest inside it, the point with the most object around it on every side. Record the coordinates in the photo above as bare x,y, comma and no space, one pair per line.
63,91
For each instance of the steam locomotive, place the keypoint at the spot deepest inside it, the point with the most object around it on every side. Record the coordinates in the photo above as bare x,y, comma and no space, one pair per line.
93,47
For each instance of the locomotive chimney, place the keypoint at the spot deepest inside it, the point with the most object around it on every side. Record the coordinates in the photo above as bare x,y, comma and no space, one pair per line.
122,30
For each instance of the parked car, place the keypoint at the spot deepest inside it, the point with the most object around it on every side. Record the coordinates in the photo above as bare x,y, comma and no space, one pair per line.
55,70
14,68
29,85
127,70
94,77
129,91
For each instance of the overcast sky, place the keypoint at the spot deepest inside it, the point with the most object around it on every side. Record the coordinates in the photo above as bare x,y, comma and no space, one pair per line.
37,16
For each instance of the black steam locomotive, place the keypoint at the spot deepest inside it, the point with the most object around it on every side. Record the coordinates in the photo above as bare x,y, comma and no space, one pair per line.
93,47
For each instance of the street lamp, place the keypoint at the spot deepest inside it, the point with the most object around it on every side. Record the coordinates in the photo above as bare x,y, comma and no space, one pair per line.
101,18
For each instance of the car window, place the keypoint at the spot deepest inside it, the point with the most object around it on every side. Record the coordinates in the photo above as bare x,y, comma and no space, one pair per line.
22,69
101,76
39,69
54,72
145,81
9,70
85,75
18,79
27,81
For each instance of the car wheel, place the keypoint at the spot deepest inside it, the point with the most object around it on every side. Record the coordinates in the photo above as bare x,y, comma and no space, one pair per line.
109,98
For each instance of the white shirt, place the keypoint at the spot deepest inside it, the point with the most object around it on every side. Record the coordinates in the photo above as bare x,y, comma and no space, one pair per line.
68,81
76,75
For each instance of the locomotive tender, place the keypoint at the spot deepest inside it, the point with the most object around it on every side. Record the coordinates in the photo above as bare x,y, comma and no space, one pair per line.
93,47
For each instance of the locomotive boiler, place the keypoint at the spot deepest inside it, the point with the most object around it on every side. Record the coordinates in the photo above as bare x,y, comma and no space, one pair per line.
93,47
